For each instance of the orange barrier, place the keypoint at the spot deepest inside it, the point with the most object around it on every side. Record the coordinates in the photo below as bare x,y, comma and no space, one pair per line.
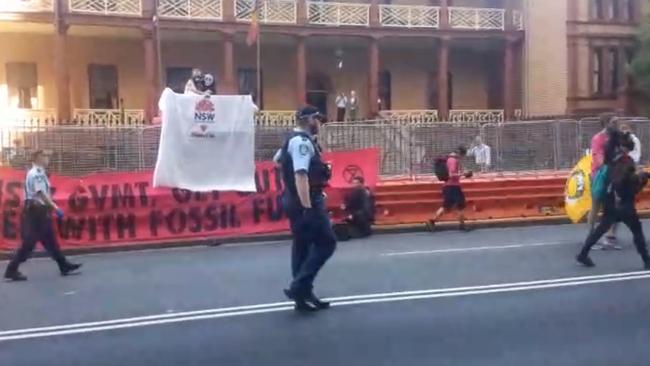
488,198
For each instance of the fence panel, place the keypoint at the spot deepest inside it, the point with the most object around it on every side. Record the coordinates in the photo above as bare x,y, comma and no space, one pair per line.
407,149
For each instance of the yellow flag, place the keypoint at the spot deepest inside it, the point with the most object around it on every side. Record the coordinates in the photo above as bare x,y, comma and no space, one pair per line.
577,191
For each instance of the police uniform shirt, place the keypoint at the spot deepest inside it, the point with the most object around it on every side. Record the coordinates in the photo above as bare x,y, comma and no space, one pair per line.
36,181
301,149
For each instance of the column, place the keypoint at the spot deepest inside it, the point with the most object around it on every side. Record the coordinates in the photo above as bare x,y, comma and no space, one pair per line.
508,79
228,11
443,79
229,79
373,78
151,74
573,74
374,19
301,72
301,10
444,14
62,74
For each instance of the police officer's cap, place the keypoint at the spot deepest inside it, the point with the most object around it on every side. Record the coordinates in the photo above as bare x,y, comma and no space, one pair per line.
306,112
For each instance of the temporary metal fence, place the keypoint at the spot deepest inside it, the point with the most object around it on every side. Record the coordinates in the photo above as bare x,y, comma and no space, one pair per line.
406,149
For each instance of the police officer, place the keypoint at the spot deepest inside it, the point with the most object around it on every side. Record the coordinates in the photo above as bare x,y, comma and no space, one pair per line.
37,222
305,176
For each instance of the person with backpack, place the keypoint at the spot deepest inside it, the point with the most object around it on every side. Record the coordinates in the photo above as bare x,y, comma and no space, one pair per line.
623,184
449,169
602,148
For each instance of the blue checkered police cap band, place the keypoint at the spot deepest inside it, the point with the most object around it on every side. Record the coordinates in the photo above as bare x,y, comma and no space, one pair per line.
307,112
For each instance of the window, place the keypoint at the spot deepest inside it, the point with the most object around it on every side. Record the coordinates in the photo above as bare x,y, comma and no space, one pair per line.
614,70
629,10
597,9
248,85
629,55
22,82
385,90
102,81
597,71
177,77
613,9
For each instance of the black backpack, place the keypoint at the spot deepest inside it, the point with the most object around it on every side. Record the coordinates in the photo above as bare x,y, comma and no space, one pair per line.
440,168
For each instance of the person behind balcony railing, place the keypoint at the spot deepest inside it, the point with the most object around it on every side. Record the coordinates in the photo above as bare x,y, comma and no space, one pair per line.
482,154
602,149
452,194
208,85
195,84
341,106
359,207
623,184
353,106
37,221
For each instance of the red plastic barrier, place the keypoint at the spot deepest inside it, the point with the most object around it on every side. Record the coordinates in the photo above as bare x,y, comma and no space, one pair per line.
123,208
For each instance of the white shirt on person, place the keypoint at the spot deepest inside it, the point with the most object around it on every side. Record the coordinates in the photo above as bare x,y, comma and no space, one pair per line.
341,101
482,154
636,153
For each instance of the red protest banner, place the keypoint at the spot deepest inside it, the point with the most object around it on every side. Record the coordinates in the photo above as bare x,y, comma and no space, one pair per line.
123,208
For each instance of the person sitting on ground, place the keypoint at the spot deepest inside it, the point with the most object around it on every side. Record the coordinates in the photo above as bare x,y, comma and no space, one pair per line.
359,207
624,183
452,194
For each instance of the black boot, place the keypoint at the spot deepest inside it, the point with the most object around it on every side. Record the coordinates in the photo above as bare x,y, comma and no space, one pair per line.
300,302
584,260
318,303
69,268
15,275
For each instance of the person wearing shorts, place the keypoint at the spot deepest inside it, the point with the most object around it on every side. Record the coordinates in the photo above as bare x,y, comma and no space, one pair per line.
452,193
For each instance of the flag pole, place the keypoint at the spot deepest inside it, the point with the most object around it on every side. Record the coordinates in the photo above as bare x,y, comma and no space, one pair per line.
258,67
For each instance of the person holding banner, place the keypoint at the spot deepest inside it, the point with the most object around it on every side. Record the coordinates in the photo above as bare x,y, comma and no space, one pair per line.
37,223
619,203
305,176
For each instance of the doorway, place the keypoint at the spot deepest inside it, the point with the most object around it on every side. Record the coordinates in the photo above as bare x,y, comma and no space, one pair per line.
318,90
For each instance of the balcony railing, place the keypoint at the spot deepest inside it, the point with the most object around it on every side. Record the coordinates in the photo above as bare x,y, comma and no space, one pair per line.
409,16
276,118
107,7
338,14
410,116
477,18
26,117
191,9
26,6
271,11
472,116
108,117
518,20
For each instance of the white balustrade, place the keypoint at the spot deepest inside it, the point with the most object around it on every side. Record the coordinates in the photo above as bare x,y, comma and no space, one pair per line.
270,11
26,6
477,18
191,9
409,16
410,116
276,118
107,7
480,115
338,14
108,117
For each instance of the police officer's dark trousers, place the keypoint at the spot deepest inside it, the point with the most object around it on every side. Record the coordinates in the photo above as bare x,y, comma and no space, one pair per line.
314,242
36,227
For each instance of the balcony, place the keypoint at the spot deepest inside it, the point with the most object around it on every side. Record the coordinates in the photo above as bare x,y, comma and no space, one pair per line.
107,7
338,14
108,117
406,16
477,18
191,9
26,6
271,11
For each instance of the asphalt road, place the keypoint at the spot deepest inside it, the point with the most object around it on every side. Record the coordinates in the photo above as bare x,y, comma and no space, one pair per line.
489,297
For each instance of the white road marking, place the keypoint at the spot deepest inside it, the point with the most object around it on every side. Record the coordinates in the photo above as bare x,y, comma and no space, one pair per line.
159,319
473,249
69,293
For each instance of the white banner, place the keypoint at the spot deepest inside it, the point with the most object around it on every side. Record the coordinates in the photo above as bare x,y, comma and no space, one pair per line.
206,143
